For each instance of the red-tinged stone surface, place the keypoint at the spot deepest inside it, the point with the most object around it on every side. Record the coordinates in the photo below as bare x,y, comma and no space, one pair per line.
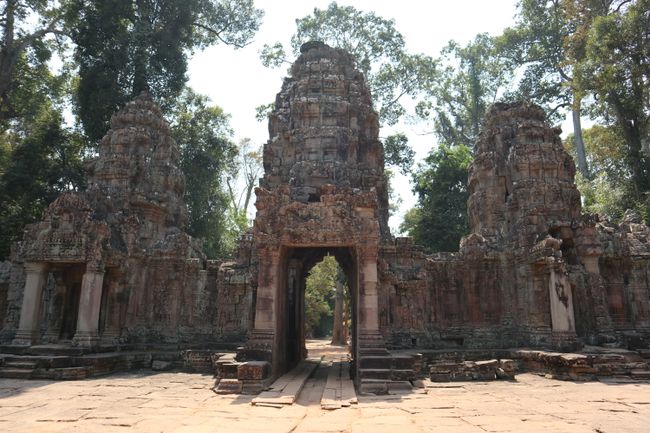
117,267
114,266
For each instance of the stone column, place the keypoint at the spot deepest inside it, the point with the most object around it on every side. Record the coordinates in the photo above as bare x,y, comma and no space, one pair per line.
267,288
368,299
561,298
260,344
30,313
89,305
370,340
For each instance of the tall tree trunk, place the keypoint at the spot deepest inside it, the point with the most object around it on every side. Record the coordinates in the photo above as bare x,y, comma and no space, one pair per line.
8,56
338,335
579,142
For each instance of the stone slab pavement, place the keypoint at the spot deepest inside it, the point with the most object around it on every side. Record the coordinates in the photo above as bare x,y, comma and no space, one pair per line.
184,403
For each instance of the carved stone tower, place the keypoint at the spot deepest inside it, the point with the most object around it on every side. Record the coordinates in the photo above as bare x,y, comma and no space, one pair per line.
323,192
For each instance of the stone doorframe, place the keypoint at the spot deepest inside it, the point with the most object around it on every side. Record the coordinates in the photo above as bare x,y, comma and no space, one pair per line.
267,337
86,334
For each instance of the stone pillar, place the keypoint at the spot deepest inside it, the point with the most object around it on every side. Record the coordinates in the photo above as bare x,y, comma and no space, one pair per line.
368,299
89,305
30,313
260,344
370,340
561,298
267,288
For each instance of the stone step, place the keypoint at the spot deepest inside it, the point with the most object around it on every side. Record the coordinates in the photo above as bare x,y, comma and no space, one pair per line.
374,373
228,386
373,386
640,374
65,373
40,361
387,374
15,373
380,386
57,349
375,362
395,361
25,365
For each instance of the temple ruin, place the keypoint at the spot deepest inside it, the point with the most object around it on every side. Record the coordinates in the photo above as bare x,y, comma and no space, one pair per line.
111,268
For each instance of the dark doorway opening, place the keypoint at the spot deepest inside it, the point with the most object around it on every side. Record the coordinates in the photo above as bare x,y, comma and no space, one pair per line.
296,265
69,286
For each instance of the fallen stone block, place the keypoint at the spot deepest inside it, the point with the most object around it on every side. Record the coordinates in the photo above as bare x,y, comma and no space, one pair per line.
161,365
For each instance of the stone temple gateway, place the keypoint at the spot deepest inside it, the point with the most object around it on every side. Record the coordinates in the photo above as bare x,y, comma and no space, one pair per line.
111,269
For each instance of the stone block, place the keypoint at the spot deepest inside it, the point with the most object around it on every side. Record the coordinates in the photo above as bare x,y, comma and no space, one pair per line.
227,369
440,377
506,369
161,365
228,386
253,370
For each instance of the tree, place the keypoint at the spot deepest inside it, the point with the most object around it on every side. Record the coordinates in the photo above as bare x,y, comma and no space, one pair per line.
241,178
340,327
537,46
319,292
203,134
43,161
125,47
392,72
25,26
607,191
378,48
39,157
440,218
616,70
472,78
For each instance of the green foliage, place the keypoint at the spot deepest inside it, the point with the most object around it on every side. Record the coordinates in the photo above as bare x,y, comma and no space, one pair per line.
39,157
378,48
440,218
231,22
473,77
536,46
398,153
320,292
608,192
125,47
26,41
38,163
615,70
242,175
203,134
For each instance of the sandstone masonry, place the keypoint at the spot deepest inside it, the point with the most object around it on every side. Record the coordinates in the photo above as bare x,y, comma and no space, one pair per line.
113,267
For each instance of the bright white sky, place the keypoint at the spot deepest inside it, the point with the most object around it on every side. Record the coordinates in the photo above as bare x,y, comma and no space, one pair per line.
237,81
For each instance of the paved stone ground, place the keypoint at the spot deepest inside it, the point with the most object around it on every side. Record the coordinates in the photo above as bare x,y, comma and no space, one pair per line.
183,403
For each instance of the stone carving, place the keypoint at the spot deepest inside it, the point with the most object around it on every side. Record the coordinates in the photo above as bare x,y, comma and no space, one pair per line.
533,272
126,272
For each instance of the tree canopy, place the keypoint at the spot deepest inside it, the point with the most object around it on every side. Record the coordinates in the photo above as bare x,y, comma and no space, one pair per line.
119,48
124,47
440,218
391,71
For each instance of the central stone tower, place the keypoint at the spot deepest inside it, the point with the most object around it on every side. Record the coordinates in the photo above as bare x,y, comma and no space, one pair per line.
323,192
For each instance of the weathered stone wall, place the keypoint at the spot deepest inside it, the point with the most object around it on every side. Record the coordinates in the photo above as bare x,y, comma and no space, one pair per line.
532,262
12,281
616,286
128,226
324,130
533,271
